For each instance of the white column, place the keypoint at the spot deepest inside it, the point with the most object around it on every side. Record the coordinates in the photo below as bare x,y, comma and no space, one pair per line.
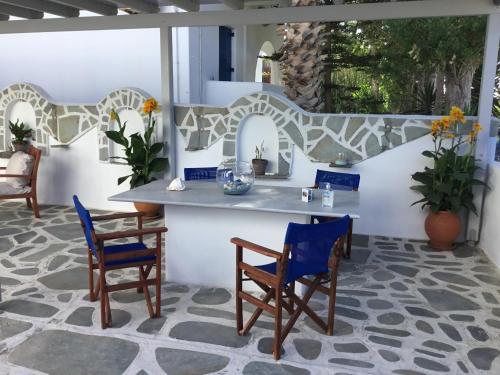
168,129
485,142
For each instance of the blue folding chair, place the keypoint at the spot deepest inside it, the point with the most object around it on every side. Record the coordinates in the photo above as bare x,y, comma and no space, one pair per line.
337,181
208,173
309,250
112,257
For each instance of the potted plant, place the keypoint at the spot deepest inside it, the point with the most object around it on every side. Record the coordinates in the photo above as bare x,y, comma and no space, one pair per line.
19,133
140,153
447,186
259,165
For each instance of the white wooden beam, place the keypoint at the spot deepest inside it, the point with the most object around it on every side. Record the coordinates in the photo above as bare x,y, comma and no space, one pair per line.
45,6
332,13
4,17
168,131
19,12
234,4
94,6
485,145
187,5
138,5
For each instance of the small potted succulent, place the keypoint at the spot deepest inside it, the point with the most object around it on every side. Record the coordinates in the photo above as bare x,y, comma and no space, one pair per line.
19,133
259,165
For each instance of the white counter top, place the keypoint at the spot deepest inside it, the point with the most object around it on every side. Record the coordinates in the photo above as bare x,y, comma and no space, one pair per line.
278,199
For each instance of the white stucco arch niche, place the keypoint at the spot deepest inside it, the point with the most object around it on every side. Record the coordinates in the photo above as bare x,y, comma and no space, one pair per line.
19,98
129,103
264,66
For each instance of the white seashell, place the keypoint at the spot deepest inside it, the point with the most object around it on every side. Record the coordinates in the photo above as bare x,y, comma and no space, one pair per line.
177,185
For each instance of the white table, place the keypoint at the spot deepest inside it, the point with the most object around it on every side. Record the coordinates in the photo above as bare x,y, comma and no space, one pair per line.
201,220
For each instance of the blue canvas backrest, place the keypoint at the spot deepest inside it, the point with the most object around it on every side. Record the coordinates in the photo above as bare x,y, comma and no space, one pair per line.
88,226
312,243
208,173
337,179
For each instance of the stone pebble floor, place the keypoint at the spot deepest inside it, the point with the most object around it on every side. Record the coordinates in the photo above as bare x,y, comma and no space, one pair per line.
401,309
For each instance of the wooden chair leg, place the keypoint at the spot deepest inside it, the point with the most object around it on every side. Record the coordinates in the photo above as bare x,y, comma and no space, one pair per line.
28,203
332,295
256,313
349,241
108,310
102,282
277,324
147,296
158,274
290,300
92,296
239,288
36,210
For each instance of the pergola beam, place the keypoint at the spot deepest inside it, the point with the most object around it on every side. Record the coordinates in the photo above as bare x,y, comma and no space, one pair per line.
45,6
234,4
138,5
330,13
19,12
94,6
187,5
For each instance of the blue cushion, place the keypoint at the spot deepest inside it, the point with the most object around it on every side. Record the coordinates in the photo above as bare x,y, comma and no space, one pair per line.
295,270
122,248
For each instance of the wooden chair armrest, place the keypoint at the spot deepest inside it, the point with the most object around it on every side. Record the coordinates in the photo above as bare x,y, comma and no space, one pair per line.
28,177
121,215
129,233
3,167
256,248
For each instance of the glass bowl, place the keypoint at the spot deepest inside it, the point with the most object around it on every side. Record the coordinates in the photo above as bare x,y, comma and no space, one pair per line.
235,178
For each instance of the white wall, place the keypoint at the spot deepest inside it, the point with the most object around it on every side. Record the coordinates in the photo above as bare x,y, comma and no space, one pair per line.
490,234
384,188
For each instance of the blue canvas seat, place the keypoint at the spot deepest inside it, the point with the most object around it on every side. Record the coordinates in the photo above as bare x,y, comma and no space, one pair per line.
337,181
207,173
311,256
115,256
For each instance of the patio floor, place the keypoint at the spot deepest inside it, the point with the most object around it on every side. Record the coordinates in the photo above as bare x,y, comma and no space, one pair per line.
401,309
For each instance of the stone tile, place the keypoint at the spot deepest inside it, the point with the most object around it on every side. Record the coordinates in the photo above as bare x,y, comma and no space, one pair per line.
11,327
209,333
28,308
211,296
152,326
69,279
83,354
309,349
267,368
482,358
444,300
82,316
183,362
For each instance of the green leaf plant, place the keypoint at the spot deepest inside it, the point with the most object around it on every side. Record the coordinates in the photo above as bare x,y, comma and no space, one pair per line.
141,153
448,184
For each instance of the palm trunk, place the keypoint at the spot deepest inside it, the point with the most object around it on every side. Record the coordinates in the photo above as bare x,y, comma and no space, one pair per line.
459,86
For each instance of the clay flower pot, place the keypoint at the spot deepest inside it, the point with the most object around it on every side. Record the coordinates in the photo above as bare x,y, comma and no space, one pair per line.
20,146
150,210
259,166
443,228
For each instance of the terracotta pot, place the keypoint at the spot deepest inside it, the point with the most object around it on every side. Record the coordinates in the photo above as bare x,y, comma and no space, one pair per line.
443,228
151,210
20,146
259,166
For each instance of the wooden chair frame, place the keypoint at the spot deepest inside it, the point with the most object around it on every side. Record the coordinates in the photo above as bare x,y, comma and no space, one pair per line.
284,295
348,246
31,197
102,288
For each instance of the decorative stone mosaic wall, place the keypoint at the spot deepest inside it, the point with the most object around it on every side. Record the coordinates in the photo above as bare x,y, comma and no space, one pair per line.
320,136
66,123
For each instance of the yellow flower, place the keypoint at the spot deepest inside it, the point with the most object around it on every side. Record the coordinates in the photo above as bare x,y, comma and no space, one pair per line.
113,115
445,122
450,135
472,136
456,114
477,127
151,105
436,126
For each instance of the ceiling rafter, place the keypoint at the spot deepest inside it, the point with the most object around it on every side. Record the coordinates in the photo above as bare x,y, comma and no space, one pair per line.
16,11
188,5
138,5
45,6
234,4
95,6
